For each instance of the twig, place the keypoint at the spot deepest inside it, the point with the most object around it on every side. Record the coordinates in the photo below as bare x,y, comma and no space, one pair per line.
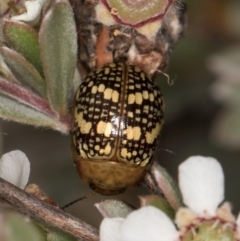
53,216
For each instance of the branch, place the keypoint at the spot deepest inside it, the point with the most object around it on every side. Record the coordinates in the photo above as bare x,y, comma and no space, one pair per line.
53,216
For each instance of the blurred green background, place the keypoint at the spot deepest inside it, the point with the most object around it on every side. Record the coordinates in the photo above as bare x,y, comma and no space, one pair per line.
202,114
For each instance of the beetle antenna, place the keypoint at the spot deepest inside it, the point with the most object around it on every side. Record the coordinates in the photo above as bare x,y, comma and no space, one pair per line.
169,80
78,199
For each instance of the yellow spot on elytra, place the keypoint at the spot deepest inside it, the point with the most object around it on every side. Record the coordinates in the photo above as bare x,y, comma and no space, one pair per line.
85,146
151,97
142,75
129,132
144,162
107,149
134,153
101,126
115,96
94,89
97,147
108,129
146,109
131,87
112,65
101,87
151,136
118,78
108,93
137,69
111,113
138,86
136,133
84,89
145,94
106,70
90,83
131,98
138,98
124,152
77,94
124,142
137,111
130,114
83,154
84,126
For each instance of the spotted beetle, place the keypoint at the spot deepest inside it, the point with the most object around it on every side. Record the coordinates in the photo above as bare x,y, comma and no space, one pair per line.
117,118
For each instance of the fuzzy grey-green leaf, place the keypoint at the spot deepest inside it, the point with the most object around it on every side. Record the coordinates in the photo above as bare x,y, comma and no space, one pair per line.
24,71
56,235
114,208
24,39
15,228
167,185
15,111
158,202
25,96
58,44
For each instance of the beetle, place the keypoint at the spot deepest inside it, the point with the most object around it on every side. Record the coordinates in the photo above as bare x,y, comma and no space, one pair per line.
117,118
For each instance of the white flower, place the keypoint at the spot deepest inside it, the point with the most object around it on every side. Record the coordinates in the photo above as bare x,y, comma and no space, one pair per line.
15,168
201,182
147,223
32,15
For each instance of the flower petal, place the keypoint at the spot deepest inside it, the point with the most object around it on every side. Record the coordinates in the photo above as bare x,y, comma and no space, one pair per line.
201,181
15,168
110,229
34,8
148,223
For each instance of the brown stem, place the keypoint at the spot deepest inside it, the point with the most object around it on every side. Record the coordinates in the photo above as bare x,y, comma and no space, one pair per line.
31,205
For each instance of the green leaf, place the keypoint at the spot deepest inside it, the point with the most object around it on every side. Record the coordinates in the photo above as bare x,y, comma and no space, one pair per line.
114,208
24,40
5,72
14,111
25,96
167,185
17,229
24,71
160,203
58,44
56,235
